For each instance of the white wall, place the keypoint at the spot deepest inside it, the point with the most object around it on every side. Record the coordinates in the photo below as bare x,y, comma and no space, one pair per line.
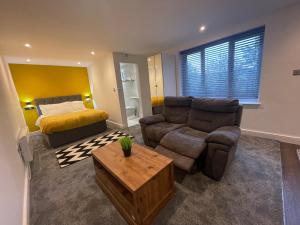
104,88
168,67
12,169
278,114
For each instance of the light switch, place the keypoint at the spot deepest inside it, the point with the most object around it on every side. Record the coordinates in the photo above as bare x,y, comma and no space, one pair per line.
296,72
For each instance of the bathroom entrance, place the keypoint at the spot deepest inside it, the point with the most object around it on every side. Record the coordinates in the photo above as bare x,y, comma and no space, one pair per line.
130,83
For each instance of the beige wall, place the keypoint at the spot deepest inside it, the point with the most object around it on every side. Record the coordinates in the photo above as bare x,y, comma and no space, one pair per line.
12,169
278,114
104,87
168,67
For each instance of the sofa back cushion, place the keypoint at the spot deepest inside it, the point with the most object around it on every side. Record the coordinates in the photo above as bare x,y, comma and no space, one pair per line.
209,114
176,109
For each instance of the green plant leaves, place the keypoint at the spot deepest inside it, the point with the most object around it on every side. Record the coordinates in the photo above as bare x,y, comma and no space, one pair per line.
125,142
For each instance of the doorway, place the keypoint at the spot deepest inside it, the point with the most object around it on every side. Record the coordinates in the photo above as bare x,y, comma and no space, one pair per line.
130,82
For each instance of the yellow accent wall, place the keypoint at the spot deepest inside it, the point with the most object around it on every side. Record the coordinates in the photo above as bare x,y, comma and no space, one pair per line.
41,81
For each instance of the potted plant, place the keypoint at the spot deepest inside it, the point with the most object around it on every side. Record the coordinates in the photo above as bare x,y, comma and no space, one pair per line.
126,144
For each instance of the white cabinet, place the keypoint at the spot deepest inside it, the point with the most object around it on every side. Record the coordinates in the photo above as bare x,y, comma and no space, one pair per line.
162,79
155,75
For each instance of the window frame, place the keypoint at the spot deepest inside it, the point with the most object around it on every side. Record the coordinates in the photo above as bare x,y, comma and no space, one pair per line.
231,40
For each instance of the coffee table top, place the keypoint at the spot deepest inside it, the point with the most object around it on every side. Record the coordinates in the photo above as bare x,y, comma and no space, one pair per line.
134,171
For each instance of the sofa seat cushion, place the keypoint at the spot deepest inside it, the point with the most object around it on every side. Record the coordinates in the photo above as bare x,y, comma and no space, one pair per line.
158,130
185,141
180,161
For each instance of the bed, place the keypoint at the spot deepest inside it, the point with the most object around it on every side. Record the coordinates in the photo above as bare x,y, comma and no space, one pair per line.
62,137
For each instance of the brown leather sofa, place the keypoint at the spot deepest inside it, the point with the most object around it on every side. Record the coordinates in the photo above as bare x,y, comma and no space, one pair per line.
191,129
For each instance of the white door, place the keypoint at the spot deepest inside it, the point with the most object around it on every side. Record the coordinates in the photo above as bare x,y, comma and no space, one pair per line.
159,76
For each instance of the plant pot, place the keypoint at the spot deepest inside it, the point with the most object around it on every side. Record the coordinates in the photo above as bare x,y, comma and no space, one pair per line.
127,152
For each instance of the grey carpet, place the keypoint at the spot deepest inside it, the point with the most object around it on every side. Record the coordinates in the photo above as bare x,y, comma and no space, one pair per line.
249,194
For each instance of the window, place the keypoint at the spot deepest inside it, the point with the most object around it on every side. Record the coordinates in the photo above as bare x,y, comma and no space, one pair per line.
227,68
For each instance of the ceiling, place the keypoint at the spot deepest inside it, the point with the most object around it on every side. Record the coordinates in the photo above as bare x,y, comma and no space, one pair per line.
70,29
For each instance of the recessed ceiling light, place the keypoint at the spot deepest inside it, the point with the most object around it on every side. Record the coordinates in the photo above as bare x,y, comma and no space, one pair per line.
27,45
93,53
28,60
149,59
79,63
202,28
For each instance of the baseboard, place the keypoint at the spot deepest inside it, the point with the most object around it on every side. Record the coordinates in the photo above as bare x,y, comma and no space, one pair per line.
26,197
275,136
113,124
35,133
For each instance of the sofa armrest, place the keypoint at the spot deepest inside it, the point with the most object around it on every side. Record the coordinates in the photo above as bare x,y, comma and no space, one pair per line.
148,120
228,135
218,159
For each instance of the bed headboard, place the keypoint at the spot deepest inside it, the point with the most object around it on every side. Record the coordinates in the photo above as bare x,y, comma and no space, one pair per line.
55,100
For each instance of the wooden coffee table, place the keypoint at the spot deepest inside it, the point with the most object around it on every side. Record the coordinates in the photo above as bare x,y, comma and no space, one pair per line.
138,186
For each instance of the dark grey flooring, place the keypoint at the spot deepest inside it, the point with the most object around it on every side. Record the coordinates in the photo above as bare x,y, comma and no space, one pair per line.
249,194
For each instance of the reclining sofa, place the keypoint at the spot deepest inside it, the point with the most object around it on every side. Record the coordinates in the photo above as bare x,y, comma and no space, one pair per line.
195,132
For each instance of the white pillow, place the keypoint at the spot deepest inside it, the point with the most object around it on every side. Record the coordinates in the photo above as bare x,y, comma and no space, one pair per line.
44,109
61,108
55,109
78,105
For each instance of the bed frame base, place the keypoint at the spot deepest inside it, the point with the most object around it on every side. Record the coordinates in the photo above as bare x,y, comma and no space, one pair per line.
64,137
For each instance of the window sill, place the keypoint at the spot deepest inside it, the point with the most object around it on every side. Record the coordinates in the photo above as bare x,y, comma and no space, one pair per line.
250,103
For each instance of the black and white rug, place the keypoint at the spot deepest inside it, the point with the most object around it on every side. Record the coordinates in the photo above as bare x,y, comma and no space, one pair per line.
76,153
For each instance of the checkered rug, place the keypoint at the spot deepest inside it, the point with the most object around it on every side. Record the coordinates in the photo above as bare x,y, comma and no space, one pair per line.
76,153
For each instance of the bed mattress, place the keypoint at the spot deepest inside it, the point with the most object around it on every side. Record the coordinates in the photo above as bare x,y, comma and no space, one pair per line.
69,121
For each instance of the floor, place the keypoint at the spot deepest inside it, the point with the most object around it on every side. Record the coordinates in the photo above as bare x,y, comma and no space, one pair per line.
250,193
291,183
133,122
